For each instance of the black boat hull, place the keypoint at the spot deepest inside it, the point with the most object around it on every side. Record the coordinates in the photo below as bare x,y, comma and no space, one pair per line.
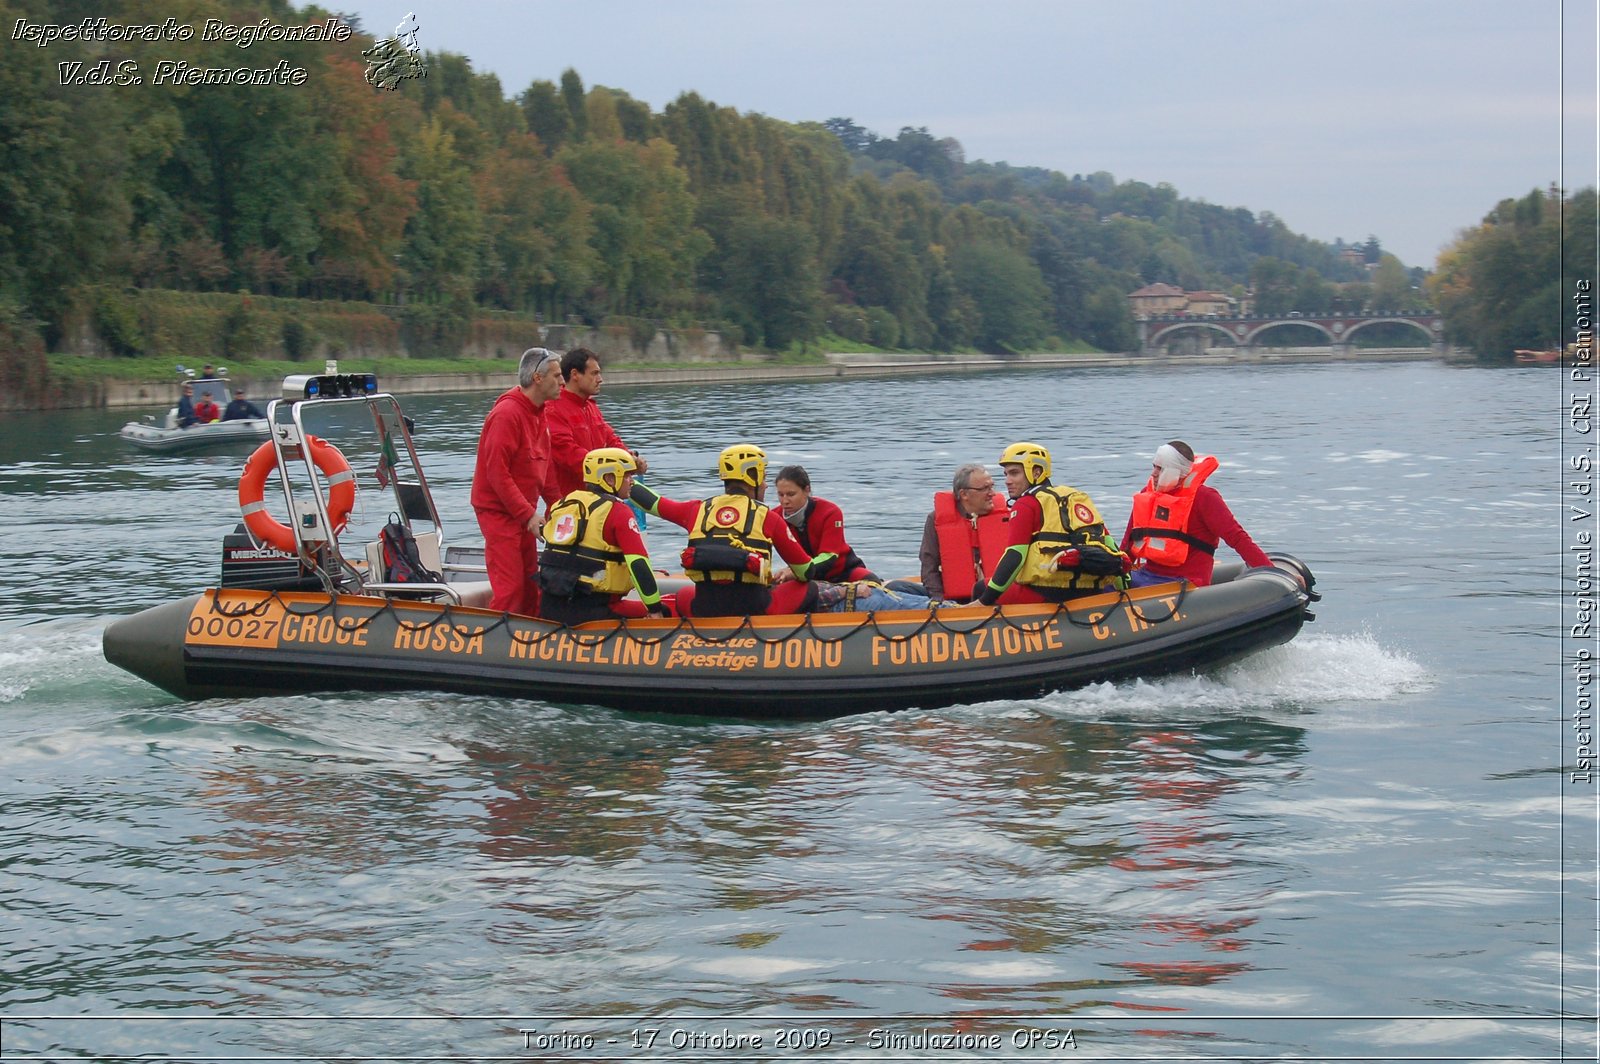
235,642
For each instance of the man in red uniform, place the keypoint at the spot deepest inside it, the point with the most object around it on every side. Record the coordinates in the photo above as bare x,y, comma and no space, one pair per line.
732,537
576,424
206,411
1178,520
593,553
1059,548
511,476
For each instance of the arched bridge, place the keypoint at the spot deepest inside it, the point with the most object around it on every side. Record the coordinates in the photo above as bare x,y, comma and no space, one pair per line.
1155,333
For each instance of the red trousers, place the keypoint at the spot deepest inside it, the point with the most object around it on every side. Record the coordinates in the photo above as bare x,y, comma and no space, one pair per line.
1017,594
512,555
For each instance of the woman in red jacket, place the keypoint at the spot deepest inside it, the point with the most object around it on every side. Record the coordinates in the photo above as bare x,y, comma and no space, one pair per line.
819,526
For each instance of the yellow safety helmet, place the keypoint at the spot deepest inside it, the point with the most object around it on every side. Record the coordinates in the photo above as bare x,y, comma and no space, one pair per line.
604,468
1034,460
743,463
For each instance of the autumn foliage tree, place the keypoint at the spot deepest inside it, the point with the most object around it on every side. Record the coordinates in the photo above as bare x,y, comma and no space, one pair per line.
1500,285
571,201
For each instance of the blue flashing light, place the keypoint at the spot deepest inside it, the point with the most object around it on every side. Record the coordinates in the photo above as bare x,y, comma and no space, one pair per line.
330,386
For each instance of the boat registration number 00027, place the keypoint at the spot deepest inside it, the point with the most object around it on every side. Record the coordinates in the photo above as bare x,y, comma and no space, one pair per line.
260,625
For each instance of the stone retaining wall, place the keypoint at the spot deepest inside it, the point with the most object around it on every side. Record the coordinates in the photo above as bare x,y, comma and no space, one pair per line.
838,364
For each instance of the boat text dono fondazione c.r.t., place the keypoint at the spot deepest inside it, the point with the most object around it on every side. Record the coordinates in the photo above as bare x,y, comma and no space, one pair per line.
293,613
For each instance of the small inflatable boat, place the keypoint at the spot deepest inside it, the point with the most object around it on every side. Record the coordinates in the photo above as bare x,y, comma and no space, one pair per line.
293,614
166,435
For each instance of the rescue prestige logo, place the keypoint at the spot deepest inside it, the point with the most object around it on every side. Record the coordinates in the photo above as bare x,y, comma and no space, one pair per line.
177,71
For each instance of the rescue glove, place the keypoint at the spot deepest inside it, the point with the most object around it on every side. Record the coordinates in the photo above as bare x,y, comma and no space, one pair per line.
643,497
817,565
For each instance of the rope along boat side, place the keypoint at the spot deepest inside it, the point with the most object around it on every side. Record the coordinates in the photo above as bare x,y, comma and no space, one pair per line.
324,622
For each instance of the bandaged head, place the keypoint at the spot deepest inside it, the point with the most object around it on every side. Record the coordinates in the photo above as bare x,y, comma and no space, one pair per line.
1172,465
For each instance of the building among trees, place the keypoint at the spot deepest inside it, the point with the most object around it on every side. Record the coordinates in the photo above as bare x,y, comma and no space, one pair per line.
1161,300
1157,300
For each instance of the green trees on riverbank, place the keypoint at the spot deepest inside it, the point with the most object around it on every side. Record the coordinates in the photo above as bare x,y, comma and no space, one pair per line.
570,201
1510,282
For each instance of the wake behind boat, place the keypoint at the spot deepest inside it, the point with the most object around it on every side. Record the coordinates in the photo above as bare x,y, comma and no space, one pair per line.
293,613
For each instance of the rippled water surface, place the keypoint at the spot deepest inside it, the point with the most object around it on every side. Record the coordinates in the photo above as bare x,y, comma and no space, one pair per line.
1361,845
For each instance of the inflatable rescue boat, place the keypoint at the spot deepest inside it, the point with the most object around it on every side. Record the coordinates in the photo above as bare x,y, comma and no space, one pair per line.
167,435
293,613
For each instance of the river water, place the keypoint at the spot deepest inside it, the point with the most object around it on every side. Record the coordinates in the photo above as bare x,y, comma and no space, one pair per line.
1364,845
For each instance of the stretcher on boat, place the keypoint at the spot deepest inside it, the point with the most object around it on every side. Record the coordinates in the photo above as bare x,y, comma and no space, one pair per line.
311,619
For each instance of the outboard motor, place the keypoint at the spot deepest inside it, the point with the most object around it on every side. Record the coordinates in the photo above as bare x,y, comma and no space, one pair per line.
263,567
1300,571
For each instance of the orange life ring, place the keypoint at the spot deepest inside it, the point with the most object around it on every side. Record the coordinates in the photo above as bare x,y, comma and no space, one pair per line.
253,484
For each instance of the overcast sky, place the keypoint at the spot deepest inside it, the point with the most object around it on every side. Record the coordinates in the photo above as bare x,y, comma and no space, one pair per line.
1404,119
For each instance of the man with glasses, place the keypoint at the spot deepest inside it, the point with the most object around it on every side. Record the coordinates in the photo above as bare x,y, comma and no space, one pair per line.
964,536
511,476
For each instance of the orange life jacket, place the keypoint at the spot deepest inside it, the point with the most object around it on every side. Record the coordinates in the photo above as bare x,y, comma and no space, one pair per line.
961,540
1158,531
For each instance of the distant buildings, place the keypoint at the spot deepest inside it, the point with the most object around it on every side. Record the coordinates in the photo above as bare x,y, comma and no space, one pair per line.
1161,300
1157,301
1211,303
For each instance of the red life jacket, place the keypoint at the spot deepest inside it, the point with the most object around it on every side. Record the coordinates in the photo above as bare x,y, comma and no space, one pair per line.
960,543
1158,530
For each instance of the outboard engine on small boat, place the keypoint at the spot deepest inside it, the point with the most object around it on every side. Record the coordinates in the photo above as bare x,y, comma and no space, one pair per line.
263,567
1300,571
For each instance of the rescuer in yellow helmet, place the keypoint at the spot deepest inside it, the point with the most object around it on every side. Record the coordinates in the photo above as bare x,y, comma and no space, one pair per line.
1059,548
593,553
732,538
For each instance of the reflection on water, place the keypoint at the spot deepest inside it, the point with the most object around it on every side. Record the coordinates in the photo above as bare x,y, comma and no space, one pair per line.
1041,854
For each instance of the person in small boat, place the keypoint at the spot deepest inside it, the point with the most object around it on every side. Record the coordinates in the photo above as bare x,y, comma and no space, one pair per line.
509,479
241,408
1058,548
964,536
576,424
819,526
205,411
732,538
1178,520
593,553
186,406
